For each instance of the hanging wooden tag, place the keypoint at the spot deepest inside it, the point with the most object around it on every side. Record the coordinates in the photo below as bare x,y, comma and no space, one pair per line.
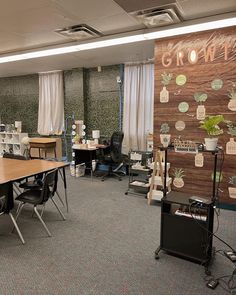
164,95
201,112
231,147
199,160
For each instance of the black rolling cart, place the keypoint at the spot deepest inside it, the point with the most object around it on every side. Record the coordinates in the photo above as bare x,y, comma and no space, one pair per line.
139,172
187,222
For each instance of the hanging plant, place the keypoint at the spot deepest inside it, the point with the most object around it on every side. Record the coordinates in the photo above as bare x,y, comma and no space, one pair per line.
200,97
166,78
164,94
164,136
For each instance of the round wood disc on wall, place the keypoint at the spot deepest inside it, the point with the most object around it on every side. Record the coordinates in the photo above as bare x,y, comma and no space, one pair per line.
183,107
180,125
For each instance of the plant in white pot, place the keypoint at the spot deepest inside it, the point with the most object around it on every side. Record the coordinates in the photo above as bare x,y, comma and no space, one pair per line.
165,136
211,125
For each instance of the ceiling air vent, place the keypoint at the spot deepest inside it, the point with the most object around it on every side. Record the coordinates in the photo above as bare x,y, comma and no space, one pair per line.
79,32
158,17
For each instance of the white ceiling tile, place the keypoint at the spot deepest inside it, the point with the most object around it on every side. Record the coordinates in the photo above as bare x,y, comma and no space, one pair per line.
116,23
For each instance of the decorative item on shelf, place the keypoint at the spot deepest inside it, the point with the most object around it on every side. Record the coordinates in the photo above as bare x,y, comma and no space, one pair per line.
96,135
18,126
150,142
165,136
231,144
232,189
211,125
185,146
25,141
199,160
200,97
178,177
164,94
232,102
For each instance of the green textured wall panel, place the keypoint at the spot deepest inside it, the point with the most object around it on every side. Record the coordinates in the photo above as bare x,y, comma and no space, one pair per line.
19,101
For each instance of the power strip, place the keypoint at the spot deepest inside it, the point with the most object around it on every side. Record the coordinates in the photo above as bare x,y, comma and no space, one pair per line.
231,255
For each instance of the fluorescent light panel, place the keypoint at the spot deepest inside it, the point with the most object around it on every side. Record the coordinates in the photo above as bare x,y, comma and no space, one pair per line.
123,40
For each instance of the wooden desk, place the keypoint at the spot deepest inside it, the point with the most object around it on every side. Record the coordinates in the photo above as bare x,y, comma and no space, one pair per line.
12,170
44,144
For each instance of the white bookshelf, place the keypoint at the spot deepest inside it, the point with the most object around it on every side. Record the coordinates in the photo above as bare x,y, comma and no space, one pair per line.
11,142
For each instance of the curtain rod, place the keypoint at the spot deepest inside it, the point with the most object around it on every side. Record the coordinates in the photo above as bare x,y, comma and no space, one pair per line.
149,61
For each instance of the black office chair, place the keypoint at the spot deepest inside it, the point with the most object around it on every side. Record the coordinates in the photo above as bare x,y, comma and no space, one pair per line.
39,196
113,156
7,204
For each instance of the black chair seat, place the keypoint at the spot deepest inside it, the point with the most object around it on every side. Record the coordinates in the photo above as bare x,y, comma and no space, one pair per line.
30,196
34,184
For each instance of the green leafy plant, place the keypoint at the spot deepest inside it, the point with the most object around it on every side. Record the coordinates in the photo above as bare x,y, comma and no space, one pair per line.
200,97
211,125
164,128
166,78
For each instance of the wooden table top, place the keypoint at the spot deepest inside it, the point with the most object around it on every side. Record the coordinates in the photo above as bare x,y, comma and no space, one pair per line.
42,140
11,169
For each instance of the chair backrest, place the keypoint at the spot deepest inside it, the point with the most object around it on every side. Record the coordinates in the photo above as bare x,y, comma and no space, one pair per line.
14,156
6,197
116,146
49,185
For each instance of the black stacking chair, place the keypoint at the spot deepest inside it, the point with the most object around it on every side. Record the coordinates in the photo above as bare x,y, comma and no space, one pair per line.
7,204
37,197
114,156
16,157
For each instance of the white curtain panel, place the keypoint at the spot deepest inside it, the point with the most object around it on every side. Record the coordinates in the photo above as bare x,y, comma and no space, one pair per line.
138,106
51,103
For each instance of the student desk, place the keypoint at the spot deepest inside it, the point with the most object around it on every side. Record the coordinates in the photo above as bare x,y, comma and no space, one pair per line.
43,143
86,155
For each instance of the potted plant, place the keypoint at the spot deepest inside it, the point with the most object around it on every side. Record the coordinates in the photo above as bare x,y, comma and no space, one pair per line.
165,136
232,102
200,97
164,94
211,125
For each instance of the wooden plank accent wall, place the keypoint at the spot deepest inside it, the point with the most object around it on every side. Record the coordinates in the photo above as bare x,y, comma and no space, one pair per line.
216,51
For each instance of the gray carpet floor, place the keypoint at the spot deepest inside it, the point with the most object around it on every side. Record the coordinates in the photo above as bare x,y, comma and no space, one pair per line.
105,247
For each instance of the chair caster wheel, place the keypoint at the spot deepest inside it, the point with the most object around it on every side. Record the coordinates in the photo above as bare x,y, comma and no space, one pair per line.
120,179
102,179
157,256
126,193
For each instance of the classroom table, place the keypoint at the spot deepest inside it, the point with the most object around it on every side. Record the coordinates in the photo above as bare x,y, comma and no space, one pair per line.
12,170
